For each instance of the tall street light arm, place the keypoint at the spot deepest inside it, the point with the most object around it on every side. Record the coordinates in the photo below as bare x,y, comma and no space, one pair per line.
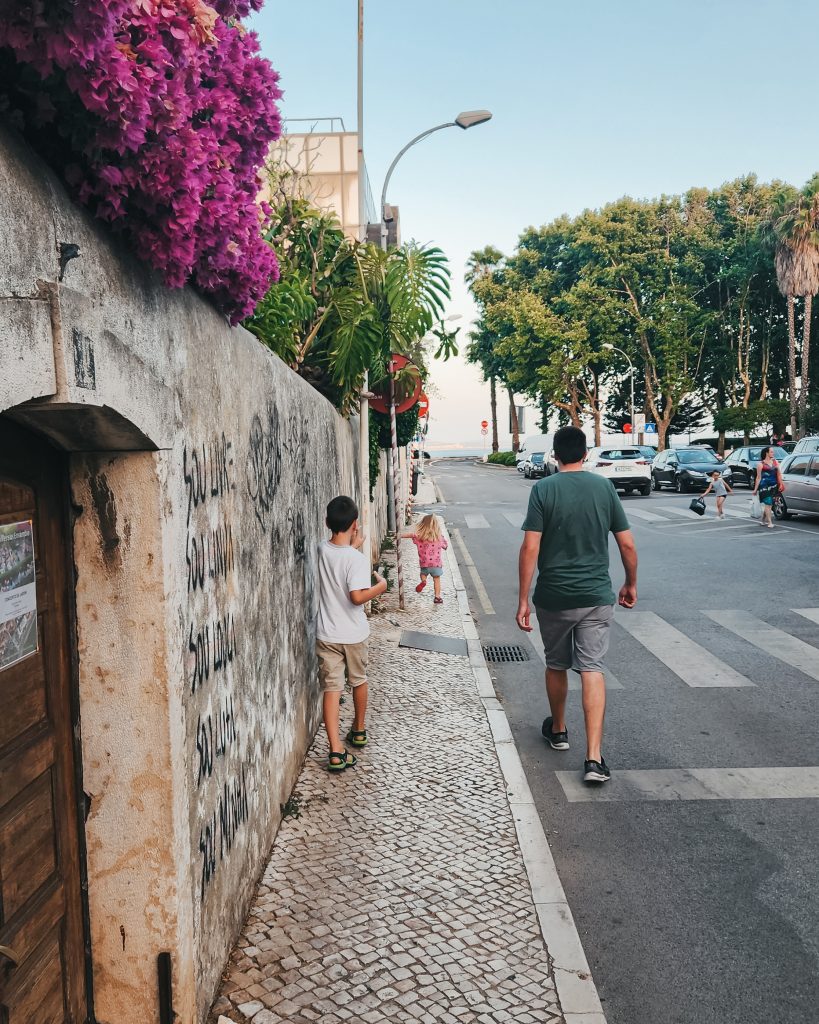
464,120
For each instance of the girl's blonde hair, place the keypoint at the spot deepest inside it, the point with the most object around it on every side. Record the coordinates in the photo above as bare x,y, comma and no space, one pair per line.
428,529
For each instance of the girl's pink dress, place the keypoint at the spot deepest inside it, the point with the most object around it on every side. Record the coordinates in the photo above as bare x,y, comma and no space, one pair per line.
429,552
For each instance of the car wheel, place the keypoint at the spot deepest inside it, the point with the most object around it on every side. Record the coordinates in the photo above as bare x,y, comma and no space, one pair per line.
628,490
646,491
780,509
680,486
526,472
655,483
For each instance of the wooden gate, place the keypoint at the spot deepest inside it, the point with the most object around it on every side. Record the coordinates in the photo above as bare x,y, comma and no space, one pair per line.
41,932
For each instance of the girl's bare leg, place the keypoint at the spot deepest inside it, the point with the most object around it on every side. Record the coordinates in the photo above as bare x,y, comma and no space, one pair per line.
436,582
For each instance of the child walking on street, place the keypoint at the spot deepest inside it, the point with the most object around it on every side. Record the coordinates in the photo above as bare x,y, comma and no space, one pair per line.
342,629
720,489
429,540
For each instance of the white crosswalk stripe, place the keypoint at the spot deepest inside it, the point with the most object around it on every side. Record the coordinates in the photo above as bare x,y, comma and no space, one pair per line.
696,666
514,518
640,513
678,510
771,640
698,784
476,522
809,613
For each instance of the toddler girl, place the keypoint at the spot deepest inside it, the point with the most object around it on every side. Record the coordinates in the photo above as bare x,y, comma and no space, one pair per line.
430,543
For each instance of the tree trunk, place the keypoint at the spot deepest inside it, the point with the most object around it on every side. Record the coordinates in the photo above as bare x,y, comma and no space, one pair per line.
721,443
513,417
493,403
792,365
545,410
803,394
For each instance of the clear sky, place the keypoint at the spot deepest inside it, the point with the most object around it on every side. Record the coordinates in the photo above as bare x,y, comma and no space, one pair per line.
591,100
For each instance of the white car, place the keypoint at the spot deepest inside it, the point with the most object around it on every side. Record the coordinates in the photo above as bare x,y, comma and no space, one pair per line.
627,468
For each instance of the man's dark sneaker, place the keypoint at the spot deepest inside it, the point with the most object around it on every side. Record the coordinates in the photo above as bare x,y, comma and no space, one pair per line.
596,771
556,740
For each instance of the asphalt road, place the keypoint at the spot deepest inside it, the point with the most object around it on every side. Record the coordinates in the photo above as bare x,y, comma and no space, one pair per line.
696,893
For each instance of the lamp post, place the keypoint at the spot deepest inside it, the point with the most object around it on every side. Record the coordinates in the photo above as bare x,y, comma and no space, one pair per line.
464,120
613,348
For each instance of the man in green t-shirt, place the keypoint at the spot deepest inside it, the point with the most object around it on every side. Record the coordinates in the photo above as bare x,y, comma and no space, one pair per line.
567,527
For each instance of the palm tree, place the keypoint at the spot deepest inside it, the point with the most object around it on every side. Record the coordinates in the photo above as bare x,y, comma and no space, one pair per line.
480,263
793,228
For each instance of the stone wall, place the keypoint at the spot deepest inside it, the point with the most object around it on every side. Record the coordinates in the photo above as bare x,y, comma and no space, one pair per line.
199,469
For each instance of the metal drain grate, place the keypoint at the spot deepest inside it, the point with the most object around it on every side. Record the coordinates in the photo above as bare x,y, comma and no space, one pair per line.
504,652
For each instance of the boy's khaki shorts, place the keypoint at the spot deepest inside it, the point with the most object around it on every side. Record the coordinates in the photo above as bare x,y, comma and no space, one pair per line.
335,658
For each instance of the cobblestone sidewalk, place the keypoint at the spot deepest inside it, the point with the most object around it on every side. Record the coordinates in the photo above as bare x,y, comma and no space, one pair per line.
400,892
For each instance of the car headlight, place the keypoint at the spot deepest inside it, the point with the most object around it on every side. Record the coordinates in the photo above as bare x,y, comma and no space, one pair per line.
694,472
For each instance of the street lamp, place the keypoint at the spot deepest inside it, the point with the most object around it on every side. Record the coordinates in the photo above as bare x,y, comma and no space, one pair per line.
466,119
613,348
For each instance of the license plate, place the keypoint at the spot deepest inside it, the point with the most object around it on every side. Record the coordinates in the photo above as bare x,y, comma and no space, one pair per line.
622,469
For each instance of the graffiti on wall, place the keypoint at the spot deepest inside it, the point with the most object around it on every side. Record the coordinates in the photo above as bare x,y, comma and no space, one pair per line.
212,650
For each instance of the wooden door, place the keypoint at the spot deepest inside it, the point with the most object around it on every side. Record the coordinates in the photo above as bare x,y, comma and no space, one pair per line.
41,931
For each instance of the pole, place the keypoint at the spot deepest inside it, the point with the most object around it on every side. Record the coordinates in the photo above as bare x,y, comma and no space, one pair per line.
364,404
632,397
396,490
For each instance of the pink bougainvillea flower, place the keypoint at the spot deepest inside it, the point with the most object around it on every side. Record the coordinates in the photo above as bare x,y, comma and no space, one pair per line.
174,114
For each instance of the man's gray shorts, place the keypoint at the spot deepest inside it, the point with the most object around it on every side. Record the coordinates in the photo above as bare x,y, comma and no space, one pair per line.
576,638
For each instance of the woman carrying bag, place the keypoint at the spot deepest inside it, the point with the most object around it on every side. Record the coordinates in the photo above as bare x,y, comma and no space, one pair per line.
768,484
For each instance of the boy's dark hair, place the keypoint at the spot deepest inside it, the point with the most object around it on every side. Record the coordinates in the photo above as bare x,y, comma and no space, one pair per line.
570,445
342,512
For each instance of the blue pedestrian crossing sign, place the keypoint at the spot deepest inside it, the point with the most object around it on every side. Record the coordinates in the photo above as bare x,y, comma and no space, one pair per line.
651,428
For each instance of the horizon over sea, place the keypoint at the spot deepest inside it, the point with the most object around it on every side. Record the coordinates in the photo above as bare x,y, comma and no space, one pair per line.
454,453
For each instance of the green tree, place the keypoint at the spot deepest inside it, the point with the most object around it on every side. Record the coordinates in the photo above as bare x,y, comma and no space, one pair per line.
793,228
480,263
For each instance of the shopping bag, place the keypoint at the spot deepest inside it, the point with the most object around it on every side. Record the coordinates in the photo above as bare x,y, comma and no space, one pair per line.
697,505
756,508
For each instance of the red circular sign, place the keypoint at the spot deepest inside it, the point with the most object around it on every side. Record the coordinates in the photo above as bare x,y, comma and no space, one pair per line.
423,405
484,424
627,428
407,392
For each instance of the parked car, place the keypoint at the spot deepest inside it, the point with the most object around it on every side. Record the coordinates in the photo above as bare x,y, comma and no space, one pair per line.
535,465
788,446
627,468
686,469
800,475
743,462
807,446
648,450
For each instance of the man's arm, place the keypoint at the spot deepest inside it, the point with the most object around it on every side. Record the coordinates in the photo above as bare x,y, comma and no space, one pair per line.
527,562
628,554
369,593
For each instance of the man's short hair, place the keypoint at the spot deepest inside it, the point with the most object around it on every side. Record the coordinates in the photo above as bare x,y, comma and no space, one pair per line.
342,512
570,445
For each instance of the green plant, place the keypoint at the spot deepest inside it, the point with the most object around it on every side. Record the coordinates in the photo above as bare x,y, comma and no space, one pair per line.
502,458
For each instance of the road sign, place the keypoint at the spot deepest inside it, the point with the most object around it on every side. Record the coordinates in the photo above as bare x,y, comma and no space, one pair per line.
640,422
423,405
626,428
484,424
484,431
651,428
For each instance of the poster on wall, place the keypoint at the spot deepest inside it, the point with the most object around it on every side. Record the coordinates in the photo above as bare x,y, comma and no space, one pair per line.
18,593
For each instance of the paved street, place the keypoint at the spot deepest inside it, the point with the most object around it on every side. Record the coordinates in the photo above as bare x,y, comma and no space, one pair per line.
693,875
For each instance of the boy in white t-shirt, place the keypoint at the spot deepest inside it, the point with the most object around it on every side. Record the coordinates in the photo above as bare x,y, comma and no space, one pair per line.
342,629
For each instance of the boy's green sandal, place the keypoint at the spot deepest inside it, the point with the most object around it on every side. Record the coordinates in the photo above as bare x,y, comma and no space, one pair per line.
338,761
357,738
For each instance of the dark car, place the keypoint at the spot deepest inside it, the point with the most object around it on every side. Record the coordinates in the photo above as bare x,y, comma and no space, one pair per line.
686,469
535,465
648,451
800,475
743,462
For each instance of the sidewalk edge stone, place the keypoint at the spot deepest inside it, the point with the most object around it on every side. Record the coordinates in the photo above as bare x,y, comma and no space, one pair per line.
576,989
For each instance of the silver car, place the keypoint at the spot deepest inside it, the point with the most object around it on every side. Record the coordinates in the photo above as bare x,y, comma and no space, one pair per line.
800,474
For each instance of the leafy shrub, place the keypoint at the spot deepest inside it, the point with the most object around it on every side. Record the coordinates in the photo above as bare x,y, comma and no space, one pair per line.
502,458
159,116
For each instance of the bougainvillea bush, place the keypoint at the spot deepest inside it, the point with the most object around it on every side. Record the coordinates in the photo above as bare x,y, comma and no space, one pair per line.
159,115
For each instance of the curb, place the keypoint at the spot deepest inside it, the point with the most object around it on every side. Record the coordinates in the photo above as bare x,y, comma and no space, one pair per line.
576,990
